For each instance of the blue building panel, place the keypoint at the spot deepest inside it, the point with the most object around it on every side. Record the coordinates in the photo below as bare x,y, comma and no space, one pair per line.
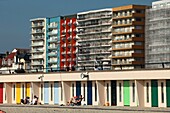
52,44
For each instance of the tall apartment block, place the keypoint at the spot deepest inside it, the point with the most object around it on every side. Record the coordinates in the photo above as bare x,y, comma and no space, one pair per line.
128,37
94,34
52,44
68,41
38,40
157,41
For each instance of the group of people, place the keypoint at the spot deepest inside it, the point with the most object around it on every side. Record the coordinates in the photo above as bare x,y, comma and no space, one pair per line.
76,100
27,100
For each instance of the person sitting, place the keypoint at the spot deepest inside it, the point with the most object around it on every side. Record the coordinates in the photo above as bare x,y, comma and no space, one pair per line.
35,100
25,101
80,98
70,102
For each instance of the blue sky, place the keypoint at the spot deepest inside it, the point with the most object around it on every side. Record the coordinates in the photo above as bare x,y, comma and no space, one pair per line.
15,16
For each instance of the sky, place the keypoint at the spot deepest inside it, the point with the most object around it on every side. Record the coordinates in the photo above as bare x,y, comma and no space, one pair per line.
15,15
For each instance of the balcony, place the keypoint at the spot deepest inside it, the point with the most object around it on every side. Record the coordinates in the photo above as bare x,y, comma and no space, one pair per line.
37,44
131,15
38,38
139,55
63,31
52,26
129,24
94,25
53,33
128,63
69,52
53,40
37,51
52,47
63,52
52,61
37,64
100,16
37,25
129,47
139,31
38,32
96,31
37,57
69,59
63,60
64,45
133,39
52,54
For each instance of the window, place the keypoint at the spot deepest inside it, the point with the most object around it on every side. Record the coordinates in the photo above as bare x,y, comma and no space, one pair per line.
95,91
51,92
120,92
41,92
14,92
107,90
162,92
84,90
133,91
73,90
147,92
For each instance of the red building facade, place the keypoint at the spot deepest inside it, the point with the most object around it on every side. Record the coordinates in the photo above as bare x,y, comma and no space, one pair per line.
68,42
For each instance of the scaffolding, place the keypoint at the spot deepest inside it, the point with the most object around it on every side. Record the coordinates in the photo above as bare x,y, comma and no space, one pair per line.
157,37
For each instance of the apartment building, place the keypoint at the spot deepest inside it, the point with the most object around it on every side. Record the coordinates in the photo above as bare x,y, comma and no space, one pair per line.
68,41
128,37
38,40
52,44
94,36
157,41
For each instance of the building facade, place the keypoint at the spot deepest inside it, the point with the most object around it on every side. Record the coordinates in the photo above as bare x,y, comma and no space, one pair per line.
52,44
17,61
128,37
68,41
38,42
157,42
94,35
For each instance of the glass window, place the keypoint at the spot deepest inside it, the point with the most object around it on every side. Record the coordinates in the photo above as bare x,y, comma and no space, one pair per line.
162,92
147,92
120,92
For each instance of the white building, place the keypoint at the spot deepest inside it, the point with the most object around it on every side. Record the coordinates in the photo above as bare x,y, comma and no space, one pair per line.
38,40
94,35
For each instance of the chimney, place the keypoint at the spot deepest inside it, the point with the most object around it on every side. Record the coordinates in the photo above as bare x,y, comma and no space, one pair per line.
7,53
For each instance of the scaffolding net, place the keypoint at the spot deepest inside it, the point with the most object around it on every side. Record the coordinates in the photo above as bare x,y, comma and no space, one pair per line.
157,38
